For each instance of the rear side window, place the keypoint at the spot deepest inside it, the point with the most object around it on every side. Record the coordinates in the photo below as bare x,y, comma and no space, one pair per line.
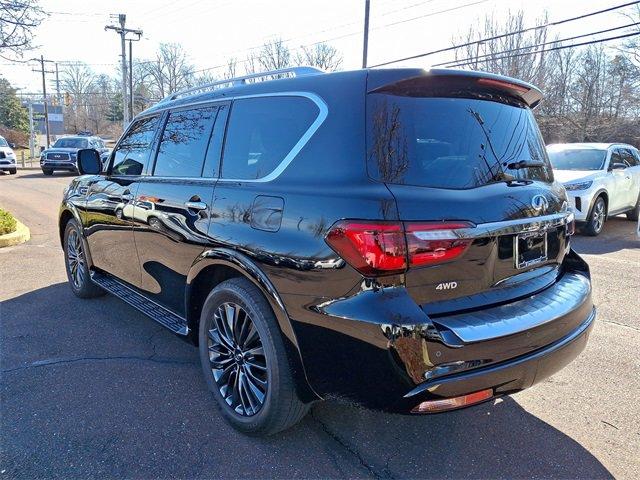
261,133
132,153
628,158
184,142
453,143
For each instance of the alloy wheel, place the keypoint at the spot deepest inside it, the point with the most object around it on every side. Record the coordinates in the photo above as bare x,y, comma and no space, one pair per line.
237,360
598,216
75,259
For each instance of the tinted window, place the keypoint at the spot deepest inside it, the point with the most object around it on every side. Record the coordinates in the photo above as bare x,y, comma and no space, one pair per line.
577,158
133,151
452,142
3,142
262,131
184,143
71,143
628,158
616,157
212,162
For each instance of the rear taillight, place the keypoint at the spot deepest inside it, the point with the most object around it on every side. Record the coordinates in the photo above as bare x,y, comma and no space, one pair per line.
380,248
431,243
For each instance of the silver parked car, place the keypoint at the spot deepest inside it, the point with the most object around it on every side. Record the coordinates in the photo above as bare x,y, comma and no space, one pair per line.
601,179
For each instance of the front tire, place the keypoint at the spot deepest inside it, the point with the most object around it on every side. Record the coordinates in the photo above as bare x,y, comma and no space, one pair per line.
597,217
13,171
75,260
244,360
47,171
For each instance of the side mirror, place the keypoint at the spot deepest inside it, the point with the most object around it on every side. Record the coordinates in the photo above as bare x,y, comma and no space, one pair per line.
89,162
12,145
617,166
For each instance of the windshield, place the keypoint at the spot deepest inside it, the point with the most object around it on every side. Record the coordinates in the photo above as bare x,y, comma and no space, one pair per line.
3,142
71,143
577,159
454,143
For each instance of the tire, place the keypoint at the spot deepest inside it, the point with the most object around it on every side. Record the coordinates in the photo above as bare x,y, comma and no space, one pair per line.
635,213
47,171
597,218
13,171
74,254
281,407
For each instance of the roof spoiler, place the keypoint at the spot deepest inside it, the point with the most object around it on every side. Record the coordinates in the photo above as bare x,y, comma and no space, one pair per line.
436,82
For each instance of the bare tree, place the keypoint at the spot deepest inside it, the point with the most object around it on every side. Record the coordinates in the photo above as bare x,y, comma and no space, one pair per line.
232,66
78,82
169,71
274,55
321,55
18,19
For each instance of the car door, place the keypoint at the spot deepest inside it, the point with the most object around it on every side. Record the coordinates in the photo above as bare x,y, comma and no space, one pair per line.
108,212
172,205
632,176
621,182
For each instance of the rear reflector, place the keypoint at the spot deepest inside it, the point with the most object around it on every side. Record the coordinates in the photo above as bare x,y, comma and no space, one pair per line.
381,248
501,84
435,406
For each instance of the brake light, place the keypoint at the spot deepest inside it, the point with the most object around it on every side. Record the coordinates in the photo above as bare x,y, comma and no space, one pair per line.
380,248
370,247
431,243
491,82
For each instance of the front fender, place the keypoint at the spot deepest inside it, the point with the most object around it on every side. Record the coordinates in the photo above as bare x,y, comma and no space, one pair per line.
248,269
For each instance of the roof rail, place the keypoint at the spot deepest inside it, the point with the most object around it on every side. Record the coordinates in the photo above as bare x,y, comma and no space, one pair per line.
291,71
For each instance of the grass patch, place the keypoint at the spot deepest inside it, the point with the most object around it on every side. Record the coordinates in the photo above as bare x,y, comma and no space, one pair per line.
7,222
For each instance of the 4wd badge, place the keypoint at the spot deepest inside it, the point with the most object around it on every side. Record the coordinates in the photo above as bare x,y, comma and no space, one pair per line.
447,286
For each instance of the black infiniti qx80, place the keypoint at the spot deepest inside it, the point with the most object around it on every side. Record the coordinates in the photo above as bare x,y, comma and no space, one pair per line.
394,238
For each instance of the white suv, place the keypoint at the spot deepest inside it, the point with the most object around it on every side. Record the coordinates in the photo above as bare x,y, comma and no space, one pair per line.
601,179
7,157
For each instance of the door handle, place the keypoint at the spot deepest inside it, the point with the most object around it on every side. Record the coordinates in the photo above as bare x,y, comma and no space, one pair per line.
195,205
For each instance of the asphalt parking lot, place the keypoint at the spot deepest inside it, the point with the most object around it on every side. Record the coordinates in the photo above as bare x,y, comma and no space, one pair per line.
96,389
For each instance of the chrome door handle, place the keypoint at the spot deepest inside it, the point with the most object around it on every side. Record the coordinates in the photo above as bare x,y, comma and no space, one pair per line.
196,205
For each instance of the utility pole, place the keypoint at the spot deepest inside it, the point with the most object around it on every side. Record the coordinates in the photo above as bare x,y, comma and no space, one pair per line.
58,86
122,31
365,46
32,146
44,92
131,40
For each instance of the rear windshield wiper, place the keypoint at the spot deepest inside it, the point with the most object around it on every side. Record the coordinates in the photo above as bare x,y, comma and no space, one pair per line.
525,164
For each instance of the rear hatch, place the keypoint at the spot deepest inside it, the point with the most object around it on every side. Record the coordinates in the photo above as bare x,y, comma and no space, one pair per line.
463,157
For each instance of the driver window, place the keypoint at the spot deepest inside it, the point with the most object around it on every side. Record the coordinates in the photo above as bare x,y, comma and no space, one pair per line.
615,158
132,153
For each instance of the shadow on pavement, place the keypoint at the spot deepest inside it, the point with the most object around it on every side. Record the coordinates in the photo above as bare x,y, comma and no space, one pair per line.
39,174
93,388
618,234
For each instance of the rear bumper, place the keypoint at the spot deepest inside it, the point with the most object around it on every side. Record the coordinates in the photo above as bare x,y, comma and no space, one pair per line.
510,376
378,348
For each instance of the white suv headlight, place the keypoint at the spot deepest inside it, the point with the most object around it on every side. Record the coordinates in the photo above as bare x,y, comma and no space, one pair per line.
578,186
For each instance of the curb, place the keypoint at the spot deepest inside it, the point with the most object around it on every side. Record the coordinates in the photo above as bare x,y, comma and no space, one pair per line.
21,235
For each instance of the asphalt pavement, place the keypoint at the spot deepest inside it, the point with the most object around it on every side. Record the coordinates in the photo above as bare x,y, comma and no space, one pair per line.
92,388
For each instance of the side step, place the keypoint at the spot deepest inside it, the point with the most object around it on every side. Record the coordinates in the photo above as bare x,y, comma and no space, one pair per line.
164,317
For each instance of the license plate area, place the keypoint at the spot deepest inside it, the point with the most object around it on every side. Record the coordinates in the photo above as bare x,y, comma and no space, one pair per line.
530,249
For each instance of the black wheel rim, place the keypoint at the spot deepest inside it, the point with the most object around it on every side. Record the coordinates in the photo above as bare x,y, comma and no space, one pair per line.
75,259
237,360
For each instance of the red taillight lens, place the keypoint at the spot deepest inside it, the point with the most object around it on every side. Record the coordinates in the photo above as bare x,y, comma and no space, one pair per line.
435,406
379,248
432,243
491,82
373,248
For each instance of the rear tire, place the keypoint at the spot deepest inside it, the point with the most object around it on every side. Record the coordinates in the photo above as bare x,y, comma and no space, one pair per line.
75,261
635,213
47,171
597,218
247,354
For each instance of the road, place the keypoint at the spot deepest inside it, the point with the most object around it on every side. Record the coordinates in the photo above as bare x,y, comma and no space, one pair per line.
95,389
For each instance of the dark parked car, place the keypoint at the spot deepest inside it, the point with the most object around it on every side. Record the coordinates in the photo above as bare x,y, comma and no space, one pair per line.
394,238
63,154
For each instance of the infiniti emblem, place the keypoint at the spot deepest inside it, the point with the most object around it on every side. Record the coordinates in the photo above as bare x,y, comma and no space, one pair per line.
539,203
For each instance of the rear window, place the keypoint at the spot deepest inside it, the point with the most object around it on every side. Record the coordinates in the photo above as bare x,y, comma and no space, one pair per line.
453,143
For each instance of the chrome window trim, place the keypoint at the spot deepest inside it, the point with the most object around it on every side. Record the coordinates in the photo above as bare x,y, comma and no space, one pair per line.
323,112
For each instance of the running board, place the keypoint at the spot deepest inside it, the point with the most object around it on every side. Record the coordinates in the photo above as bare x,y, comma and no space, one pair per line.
164,317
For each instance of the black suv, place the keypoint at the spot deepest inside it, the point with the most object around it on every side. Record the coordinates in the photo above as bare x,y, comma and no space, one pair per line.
394,238
63,154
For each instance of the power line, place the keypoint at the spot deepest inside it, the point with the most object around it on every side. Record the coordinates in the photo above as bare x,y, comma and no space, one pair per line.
490,56
517,32
561,47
